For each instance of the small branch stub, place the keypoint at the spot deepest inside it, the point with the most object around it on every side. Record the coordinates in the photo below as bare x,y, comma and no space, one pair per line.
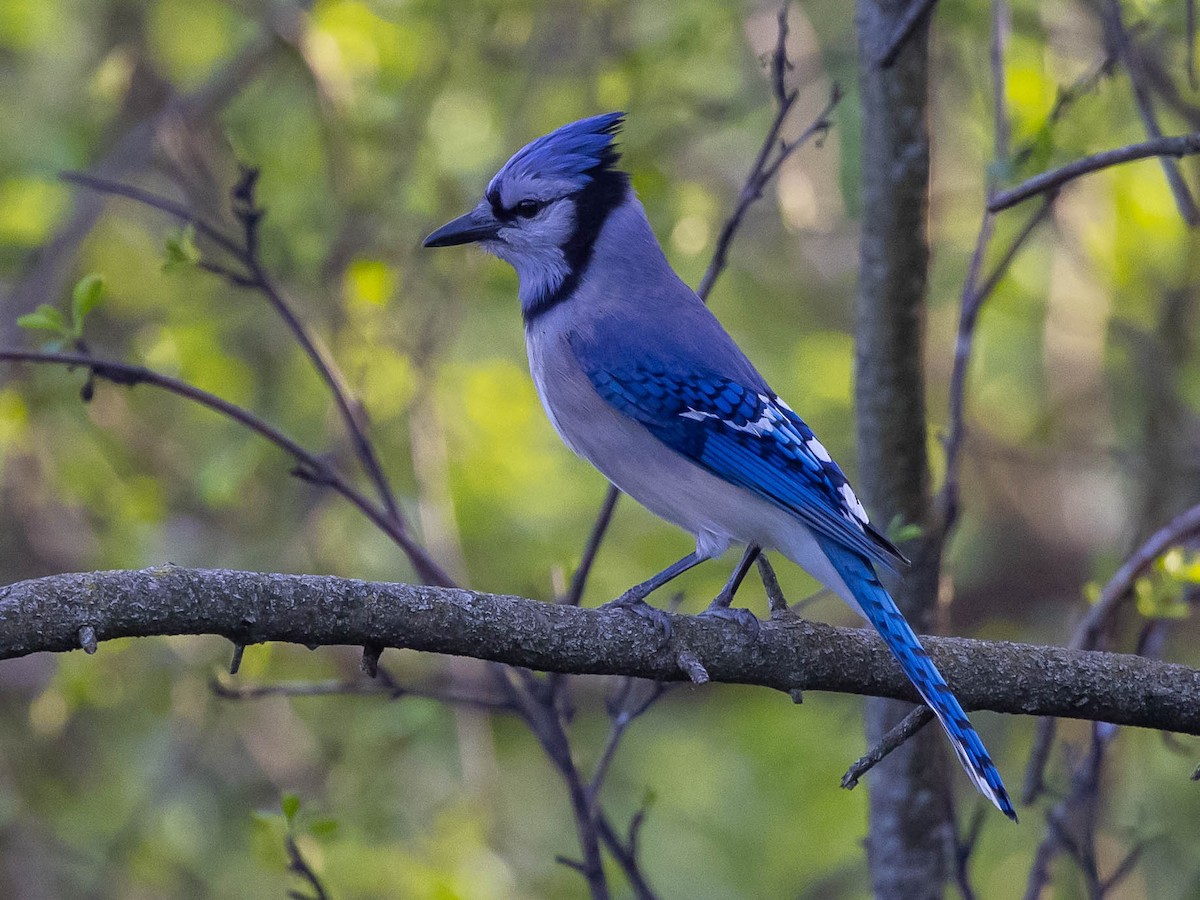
370,660
87,639
235,663
692,667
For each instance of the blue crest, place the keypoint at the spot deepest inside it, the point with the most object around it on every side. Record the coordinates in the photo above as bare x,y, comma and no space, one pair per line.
576,152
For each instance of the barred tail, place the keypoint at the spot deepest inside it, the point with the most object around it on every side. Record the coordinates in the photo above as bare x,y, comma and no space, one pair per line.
880,610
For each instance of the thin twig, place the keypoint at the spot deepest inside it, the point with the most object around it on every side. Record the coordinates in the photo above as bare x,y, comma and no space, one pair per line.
626,854
1184,527
311,466
973,297
623,713
350,411
918,717
1071,824
1001,25
162,204
963,850
1124,867
247,253
536,707
1046,182
1078,807
299,865
1119,37
776,601
1190,45
764,169
914,14
338,688
603,520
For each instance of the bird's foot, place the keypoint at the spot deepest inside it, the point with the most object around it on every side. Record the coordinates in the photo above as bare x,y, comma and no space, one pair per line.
632,602
738,615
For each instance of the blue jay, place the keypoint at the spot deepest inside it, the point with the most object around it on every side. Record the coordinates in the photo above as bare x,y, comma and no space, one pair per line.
639,378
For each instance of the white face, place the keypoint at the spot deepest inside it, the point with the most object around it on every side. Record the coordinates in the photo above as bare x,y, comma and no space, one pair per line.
538,220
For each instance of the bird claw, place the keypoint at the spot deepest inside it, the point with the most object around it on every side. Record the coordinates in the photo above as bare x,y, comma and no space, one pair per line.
738,615
652,614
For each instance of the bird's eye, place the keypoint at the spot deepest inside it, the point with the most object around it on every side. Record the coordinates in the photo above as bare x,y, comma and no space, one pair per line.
527,209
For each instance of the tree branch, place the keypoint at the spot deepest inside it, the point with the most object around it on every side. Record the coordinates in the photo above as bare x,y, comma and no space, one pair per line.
311,467
914,14
256,277
1120,40
1180,145
47,614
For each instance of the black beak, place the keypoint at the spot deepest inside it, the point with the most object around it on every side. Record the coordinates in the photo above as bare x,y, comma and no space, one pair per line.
477,225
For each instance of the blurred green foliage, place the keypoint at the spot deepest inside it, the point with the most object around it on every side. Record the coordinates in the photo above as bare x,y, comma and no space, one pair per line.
122,775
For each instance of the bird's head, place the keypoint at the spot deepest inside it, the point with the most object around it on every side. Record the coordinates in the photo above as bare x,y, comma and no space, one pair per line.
543,209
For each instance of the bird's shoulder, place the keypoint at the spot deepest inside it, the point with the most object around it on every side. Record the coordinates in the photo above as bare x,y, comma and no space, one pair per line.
654,327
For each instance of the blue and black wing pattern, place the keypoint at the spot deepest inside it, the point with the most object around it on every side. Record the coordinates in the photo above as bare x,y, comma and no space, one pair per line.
751,439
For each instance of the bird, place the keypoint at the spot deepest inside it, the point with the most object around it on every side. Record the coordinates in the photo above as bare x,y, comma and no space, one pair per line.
639,378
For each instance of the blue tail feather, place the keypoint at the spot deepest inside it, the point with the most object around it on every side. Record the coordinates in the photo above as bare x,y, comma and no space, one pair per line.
880,610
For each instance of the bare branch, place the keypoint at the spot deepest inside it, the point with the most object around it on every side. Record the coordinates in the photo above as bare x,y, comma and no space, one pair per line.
771,155
918,718
1047,182
625,853
623,712
916,12
311,466
973,297
1119,38
1001,128
162,204
1182,528
1190,27
603,519
247,252
299,865
46,614
368,688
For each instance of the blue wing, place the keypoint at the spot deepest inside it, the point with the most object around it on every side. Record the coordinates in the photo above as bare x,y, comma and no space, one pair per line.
752,439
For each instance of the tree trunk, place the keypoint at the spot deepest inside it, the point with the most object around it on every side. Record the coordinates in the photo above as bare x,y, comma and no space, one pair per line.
910,816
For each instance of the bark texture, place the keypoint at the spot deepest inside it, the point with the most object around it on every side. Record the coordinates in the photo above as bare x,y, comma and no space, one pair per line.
63,612
911,825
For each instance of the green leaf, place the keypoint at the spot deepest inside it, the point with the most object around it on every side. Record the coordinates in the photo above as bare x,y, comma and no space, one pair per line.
87,293
1160,598
899,531
290,804
45,318
323,828
1180,565
181,249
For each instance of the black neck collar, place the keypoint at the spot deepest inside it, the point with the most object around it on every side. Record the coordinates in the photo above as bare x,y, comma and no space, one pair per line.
593,205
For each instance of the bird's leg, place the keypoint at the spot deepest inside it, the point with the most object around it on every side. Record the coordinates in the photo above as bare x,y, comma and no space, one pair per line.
720,607
634,599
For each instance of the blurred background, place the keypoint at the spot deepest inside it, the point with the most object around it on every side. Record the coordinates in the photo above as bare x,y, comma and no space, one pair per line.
124,775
